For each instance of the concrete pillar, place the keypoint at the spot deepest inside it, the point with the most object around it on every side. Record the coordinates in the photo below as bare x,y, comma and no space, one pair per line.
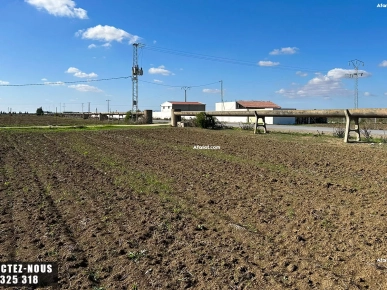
148,116
259,125
348,129
173,118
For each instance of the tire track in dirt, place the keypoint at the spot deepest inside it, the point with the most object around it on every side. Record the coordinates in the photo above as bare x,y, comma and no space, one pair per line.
51,237
7,226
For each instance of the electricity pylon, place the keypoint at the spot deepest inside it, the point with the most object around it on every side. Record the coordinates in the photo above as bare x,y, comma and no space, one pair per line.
356,64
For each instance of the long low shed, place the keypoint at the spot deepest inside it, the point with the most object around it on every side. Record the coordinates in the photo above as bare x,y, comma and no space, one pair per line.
349,114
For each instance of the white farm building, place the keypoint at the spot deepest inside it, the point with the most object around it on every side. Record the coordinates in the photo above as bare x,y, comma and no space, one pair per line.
253,106
166,107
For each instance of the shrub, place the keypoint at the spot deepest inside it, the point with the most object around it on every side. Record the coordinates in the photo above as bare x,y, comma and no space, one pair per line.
366,130
204,121
246,126
128,116
339,131
39,111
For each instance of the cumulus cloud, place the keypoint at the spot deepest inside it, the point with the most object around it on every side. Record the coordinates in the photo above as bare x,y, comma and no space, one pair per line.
64,8
91,46
383,63
107,44
107,34
158,81
284,50
4,82
323,85
339,73
79,74
267,63
301,74
85,88
159,70
44,79
211,91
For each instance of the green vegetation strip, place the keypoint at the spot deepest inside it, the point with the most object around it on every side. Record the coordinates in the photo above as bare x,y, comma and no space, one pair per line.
124,173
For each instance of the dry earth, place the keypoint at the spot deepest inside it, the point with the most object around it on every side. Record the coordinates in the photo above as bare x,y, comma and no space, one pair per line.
142,209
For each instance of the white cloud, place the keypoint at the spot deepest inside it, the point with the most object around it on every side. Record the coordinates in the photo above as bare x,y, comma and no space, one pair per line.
284,50
154,41
181,69
328,85
158,81
91,46
368,94
281,91
339,73
267,63
107,34
4,82
385,94
44,79
160,70
79,74
211,91
383,63
301,74
85,88
59,8
107,44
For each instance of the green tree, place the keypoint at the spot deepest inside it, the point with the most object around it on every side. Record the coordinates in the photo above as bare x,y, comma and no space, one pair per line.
39,111
204,121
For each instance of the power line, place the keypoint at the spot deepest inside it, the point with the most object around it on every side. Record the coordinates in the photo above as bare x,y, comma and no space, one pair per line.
222,59
178,86
62,83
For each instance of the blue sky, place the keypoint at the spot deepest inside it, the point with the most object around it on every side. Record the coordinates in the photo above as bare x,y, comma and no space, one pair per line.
294,53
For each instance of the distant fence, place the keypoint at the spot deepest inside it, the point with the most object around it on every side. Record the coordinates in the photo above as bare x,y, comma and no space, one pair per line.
348,114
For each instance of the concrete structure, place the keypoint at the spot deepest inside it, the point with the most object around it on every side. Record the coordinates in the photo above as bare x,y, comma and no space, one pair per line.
166,107
352,115
240,106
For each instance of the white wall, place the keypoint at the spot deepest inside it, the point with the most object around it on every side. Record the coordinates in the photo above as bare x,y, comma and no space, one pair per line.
161,115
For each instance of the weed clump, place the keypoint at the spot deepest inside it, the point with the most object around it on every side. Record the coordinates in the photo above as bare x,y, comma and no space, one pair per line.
339,131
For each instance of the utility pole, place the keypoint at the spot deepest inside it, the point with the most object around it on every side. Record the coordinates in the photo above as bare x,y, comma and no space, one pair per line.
136,71
221,94
82,108
88,110
356,64
60,107
108,105
64,107
185,92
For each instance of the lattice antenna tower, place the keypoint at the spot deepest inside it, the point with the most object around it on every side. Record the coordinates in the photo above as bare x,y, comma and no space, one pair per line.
355,75
136,71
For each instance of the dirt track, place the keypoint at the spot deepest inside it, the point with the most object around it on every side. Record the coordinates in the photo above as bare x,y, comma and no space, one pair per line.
141,207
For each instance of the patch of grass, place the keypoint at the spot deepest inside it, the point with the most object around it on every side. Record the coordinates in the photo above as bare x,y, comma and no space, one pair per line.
136,256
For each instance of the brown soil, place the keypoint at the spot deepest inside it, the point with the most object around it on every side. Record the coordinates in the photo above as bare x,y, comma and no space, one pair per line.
142,209
22,120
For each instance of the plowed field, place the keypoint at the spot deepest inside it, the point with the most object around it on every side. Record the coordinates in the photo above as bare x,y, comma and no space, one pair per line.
142,209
